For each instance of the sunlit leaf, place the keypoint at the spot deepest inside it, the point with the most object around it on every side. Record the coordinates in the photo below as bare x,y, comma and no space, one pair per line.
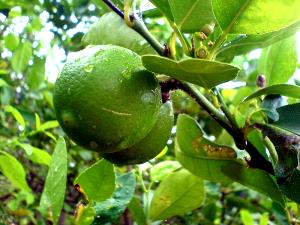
280,61
163,169
240,44
164,7
186,14
21,57
11,41
137,211
255,16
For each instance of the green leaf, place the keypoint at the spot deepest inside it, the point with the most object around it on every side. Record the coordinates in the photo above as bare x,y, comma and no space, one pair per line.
112,208
49,125
111,29
53,195
98,181
3,83
164,7
11,41
289,118
21,57
36,155
16,114
85,215
37,121
241,44
163,169
186,14
197,71
13,170
277,89
246,217
40,156
256,179
179,193
281,61
137,212
199,155
36,74
255,16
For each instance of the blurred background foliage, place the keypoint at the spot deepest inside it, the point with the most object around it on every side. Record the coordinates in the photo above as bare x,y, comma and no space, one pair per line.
35,39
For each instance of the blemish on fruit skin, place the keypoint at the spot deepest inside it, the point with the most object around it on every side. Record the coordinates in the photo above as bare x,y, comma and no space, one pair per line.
126,73
116,113
88,68
68,119
93,145
148,97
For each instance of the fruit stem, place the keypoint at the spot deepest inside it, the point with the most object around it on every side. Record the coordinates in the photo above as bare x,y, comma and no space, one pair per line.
139,26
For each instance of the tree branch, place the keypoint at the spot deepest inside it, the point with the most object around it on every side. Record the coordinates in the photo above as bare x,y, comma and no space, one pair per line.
257,160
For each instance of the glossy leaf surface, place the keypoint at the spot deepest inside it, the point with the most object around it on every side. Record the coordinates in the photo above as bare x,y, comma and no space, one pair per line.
97,182
164,7
240,44
186,14
255,16
204,73
279,61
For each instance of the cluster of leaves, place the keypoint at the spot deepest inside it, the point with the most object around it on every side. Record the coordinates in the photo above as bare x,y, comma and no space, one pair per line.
194,180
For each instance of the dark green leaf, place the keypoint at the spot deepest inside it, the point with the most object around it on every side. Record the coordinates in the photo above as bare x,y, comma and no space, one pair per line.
281,61
98,181
186,14
177,194
240,44
199,155
111,29
137,212
164,7
112,208
21,57
278,89
255,16
53,195
255,179
290,185
289,118
13,170
197,71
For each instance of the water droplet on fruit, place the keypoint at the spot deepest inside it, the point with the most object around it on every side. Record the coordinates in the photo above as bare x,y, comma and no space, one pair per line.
148,97
69,90
126,73
88,68
93,145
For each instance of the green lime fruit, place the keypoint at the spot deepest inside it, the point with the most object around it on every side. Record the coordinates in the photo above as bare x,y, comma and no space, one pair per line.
151,145
105,100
